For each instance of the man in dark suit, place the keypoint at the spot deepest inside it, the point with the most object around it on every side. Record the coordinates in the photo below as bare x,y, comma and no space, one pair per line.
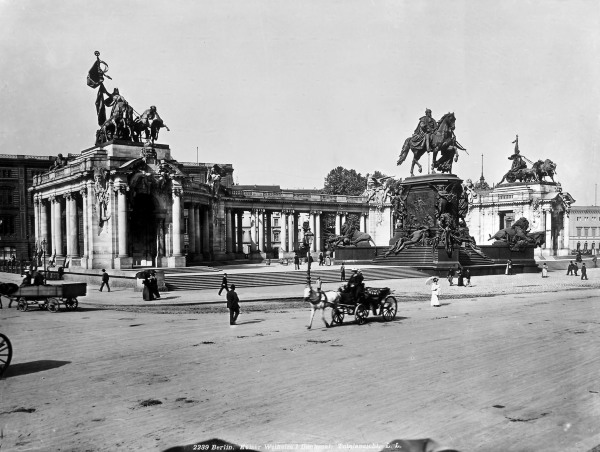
583,271
224,284
233,304
105,279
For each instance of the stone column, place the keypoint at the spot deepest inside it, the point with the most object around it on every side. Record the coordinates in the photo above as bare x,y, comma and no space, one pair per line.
261,230
548,228
311,225
90,222
36,220
268,231
44,206
290,233
86,232
252,232
363,222
191,223
317,241
338,226
122,219
176,221
57,233
228,231
206,231
240,232
197,230
72,224
283,232
233,231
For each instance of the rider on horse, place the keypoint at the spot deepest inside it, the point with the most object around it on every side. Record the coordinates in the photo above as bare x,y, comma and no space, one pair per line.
151,120
422,133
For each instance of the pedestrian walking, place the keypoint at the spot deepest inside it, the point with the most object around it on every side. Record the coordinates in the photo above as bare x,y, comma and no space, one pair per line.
461,279
583,271
321,258
545,270
224,284
343,272
468,276
105,279
451,276
296,262
233,304
435,291
154,284
570,269
575,269
508,270
594,260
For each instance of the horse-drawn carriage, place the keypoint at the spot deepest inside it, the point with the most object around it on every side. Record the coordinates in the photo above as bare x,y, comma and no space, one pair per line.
373,299
342,303
48,296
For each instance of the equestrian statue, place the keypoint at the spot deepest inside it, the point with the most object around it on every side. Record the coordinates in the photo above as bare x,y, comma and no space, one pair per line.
433,136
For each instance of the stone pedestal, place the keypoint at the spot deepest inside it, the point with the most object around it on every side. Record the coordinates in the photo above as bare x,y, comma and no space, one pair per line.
123,263
176,261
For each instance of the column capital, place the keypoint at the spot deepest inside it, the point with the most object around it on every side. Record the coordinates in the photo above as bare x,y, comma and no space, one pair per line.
52,199
68,196
316,212
177,192
121,189
36,200
83,191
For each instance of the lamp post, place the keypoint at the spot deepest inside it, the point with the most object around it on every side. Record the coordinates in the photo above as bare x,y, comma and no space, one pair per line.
307,243
44,255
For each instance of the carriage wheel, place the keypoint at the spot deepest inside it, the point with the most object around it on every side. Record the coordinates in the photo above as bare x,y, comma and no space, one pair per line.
5,353
389,308
361,314
337,316
53,304
71,303
22,304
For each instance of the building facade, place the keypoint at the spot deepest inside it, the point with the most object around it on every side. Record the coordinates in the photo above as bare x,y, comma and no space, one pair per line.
17,231
584,230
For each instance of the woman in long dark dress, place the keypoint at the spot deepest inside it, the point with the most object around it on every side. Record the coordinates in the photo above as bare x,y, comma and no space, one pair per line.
147,292
461,278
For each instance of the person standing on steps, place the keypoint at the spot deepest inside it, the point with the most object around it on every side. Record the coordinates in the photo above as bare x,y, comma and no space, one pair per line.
583,271
450,276
233,304
343,272
105,279
296,262
224,284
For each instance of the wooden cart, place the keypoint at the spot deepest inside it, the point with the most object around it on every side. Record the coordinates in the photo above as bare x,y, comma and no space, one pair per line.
49,296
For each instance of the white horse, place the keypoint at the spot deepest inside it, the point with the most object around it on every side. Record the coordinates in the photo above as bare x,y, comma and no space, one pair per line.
320,301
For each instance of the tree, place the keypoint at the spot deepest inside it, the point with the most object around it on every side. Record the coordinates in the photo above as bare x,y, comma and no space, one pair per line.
342,181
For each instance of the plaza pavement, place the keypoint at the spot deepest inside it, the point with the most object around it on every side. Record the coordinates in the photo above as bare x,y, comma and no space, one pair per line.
405,288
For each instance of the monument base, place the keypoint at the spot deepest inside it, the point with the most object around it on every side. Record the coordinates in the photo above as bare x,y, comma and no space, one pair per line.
176,261
123,263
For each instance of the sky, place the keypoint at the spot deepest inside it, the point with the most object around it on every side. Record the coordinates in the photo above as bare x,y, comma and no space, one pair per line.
287,90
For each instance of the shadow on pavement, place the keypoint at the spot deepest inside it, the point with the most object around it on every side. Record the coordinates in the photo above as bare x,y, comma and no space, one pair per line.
15,370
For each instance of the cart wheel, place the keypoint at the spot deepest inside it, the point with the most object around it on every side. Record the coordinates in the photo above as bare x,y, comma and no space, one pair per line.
22,304
337,316
361,314
71,303
53,304
5,353
389,308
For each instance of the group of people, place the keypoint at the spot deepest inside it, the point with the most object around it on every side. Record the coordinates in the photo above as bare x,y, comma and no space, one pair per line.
150,283
573,268
463,276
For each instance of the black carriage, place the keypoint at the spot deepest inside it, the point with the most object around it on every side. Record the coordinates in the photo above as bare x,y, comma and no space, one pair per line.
5,353
372,298
49,296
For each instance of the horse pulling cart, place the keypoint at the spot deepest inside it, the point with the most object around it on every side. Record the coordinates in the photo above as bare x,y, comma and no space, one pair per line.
378,300
49,296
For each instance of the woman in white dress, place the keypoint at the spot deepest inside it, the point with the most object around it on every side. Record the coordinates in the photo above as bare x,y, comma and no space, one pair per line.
545,270
435,291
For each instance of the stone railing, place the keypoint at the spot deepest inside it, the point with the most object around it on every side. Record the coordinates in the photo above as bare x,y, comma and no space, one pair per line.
67,171
298,196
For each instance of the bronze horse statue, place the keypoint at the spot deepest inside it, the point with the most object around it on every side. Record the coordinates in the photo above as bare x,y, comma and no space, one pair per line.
441,139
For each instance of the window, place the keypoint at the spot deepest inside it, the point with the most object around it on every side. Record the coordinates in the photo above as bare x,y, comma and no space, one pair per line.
276,236
6,196
8,252
585,231
276,222
578,232
7,224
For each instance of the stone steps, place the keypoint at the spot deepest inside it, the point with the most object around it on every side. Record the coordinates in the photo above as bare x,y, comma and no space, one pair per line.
241,280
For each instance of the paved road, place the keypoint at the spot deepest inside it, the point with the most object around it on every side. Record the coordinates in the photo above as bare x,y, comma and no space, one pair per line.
512,372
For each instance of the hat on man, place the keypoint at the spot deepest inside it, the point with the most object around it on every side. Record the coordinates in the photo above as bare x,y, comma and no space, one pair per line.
232,287
354,269
103,270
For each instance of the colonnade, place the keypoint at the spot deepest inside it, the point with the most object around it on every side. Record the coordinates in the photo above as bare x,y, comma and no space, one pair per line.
261,228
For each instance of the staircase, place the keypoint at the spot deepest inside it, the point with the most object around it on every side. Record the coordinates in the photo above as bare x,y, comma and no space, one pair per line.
241,280
417,256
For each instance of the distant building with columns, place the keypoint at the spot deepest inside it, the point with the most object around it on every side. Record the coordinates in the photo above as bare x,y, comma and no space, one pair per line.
584,229
543,204
122,205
